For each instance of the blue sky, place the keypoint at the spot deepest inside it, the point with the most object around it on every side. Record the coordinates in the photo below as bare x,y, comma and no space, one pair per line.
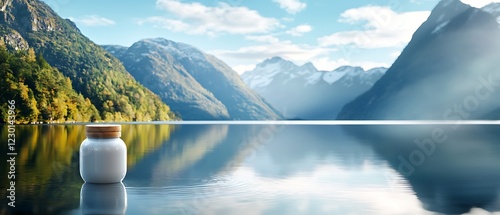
328,33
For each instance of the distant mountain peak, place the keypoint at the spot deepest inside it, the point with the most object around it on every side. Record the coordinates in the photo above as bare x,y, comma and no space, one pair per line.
445,3
195,84
159,40
451,4
343,68
176,49
448,9
493,9
341,73
278,69
116,46
308,65
281,60
275,59
316,94
164,42
493,5
377,69
274,64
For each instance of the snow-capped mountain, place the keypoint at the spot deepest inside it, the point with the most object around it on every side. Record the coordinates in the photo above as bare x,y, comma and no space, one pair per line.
449,70
303,92
196,85
271,69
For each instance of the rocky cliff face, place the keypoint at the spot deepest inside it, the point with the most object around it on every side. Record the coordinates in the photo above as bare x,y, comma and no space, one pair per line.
23,17
13,39
28,15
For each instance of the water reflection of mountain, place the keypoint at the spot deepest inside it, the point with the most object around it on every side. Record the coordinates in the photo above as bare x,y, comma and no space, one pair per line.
452,169
203,152
193,153
299,149
460,173
48,179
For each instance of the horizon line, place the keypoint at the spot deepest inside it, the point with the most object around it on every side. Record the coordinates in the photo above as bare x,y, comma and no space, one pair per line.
299,122
337,122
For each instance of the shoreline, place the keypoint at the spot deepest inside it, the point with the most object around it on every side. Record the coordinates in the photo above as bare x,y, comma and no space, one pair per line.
290,122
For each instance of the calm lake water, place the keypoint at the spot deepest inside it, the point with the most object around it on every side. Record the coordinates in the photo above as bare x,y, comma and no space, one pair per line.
264,169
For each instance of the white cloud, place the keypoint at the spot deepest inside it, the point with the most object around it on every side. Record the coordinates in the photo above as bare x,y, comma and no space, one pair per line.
291,6
366,65
299,30
240,69
170,24
93,21
422,1
395,54
263,38
270,47
382,28
328,64
323,183
479,3
196,18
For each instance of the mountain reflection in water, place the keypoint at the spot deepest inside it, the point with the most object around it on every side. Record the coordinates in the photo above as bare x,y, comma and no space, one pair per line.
270,169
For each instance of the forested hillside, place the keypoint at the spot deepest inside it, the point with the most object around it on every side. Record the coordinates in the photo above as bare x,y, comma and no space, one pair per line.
94,73
41,93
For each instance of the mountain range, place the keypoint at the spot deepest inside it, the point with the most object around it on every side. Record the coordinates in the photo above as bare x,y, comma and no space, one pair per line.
89,83
196,85
449,70
303,92
92,72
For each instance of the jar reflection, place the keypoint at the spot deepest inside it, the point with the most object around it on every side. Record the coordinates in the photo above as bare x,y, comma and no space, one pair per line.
103,198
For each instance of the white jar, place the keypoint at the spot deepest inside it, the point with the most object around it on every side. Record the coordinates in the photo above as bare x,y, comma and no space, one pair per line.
103,155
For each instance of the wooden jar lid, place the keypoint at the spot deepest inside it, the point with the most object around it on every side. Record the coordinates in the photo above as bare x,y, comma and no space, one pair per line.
103,131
